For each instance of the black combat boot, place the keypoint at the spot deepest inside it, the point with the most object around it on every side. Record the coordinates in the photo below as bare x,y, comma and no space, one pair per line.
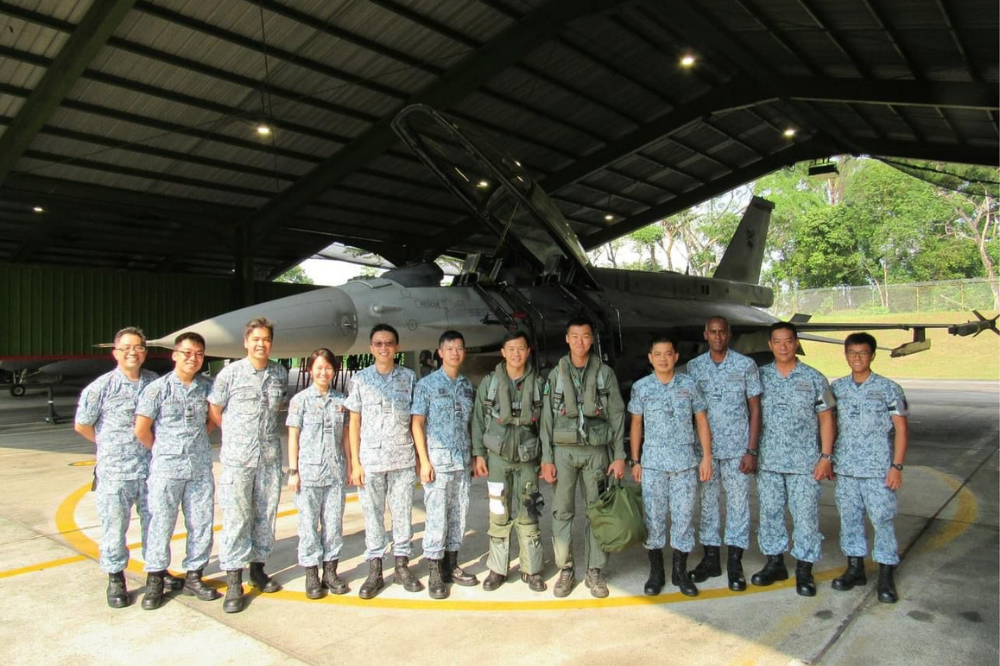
679,574
565,583
314,588
193,584
709,567
117,591
261,580
493,581
657,577
534,581
804,583
172,583
773,571
404,576
854,575
374,582
734,568
234,591
595,583
331,580
886,585
456,574
436,587
153,598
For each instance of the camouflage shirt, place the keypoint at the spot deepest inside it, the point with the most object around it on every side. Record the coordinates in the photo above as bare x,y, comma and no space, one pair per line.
727,386
384,405
320,420
250,401
181,449
864,424
446,403
669,441
789,440
108,404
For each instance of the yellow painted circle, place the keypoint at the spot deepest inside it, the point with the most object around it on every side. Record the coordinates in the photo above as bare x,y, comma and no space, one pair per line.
71,531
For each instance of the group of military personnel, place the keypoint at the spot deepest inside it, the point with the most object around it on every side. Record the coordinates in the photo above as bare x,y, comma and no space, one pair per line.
699,432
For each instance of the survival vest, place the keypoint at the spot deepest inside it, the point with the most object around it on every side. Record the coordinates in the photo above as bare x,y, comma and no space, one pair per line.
580,417
512,433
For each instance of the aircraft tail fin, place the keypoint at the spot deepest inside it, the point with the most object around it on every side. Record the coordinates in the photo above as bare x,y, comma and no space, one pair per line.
745,254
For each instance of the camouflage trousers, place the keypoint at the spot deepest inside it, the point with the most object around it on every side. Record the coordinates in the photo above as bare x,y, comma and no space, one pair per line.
396,487
114,507
321,523
195,497
249,499
855,495
588,466
726,475
511,485
446,503
674,492
800,492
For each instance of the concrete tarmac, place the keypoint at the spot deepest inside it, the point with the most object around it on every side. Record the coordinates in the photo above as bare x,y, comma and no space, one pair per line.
52,607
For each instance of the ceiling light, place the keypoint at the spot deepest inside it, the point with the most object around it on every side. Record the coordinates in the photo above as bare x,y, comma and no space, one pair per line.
609,217
687,60
38,209
789,132
263,129
483,184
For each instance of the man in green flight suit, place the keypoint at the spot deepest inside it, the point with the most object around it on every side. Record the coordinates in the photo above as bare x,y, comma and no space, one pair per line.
505,427
582,426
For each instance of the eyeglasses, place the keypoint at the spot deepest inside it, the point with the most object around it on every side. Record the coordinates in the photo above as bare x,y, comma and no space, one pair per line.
138,349
858,354
381,343
189,354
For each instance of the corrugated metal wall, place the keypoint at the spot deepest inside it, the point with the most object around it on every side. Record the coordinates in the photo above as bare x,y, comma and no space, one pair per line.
53,311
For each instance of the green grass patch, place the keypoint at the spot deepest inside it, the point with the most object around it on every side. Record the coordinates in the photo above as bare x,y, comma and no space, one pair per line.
950,356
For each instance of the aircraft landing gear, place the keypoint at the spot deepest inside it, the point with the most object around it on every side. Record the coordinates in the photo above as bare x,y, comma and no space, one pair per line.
17,390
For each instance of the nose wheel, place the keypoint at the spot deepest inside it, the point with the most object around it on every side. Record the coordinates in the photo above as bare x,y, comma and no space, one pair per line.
18,390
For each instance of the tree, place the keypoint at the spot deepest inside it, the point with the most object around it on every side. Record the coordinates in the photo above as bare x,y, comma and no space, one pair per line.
295,275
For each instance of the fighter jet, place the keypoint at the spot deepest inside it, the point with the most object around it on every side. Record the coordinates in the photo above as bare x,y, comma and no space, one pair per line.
536,278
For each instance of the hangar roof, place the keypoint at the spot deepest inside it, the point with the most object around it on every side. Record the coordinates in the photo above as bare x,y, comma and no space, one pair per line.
132,123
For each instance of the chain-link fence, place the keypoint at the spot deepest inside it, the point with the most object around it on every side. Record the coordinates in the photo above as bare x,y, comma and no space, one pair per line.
947,295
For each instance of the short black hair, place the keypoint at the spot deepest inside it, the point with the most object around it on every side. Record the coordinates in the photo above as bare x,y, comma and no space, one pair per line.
717,318
783,325
323,353
516,334
130,330
192,336
378,328
861,339
579,321
663,339
258,322
450,336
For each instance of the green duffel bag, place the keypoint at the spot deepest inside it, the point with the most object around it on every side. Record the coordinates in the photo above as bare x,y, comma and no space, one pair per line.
616,518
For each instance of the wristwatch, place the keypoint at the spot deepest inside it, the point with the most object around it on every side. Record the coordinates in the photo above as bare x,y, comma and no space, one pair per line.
292,470
898,466
632,462
753,452
826,456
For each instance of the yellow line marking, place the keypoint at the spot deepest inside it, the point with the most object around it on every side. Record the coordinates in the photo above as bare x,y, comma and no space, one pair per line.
71,532
965,513
83,463
51,564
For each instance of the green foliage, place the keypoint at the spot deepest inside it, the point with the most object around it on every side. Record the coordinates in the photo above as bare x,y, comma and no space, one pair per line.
295,275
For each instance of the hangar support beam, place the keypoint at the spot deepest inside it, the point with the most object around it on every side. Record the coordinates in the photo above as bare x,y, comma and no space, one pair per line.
93,32
506,49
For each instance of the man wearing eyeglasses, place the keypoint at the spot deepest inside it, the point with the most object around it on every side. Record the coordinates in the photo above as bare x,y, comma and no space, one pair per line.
383,458
172,420
245,401
871,446
442,410
105,416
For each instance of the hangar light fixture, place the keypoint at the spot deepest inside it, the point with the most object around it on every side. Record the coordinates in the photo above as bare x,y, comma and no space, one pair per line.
38,209
609,217
687,60
823,170
483,184
789,133
263,129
